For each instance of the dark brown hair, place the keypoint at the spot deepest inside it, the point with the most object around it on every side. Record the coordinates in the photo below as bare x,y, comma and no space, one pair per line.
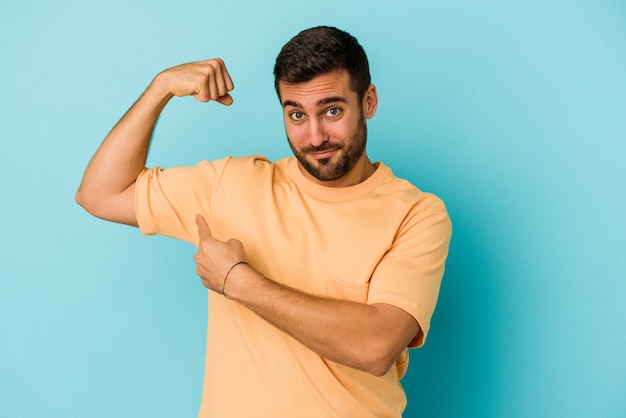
321,50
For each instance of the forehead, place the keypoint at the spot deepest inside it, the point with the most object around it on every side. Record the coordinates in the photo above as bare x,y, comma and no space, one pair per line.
335,84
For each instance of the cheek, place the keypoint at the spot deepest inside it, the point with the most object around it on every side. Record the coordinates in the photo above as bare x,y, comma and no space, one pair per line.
339,130
295,134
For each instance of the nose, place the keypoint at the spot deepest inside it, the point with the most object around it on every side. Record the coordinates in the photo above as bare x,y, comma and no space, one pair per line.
317,133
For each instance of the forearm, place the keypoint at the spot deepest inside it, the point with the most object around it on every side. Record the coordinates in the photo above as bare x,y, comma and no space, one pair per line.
365,337
123,153
107,188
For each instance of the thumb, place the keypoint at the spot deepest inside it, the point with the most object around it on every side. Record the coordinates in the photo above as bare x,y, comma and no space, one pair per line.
204,231
226,100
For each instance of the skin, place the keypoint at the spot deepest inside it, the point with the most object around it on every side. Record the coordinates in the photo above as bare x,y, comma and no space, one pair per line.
326,128
108,186
324,121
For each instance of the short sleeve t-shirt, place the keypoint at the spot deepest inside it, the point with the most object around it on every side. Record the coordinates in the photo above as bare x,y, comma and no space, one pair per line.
380,241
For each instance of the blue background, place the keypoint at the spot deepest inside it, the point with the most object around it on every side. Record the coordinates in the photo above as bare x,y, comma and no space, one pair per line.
513,112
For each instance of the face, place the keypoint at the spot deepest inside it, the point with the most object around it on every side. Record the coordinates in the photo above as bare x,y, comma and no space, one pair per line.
326,128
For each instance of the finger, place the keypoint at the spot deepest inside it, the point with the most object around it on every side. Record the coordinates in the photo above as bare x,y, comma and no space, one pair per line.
217,83
204,231
226,100
212,81
205,90
224,82
217,79
226,76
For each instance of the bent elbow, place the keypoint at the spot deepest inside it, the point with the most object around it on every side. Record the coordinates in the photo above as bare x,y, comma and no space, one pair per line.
91,203
79,197
380,367
83,201
381,359
118,208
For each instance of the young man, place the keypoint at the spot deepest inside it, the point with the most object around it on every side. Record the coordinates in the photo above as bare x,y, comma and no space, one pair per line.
322,268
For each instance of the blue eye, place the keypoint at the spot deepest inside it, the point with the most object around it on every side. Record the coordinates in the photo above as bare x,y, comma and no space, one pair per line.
333,112
296,116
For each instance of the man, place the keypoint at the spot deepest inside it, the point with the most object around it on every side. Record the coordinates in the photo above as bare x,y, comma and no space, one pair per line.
322,268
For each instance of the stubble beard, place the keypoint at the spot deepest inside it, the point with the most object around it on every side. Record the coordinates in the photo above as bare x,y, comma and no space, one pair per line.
323,169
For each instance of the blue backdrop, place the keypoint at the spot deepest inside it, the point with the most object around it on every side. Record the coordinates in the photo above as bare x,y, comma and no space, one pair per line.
513,112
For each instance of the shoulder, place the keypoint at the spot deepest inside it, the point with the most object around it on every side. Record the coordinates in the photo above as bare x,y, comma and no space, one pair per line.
253,167
420,209
252,163
407,192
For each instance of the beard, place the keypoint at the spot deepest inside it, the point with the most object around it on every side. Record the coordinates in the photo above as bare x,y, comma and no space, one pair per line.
324,169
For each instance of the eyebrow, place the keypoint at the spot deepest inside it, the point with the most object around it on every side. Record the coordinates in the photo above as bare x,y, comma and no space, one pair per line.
321,102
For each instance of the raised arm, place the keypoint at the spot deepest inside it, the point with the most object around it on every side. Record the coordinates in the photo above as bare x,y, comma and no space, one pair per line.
108,184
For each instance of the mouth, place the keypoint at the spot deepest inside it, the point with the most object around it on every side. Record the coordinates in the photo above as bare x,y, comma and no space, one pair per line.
321,155
323,152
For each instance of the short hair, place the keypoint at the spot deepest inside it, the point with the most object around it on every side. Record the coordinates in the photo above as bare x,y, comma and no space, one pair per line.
321,50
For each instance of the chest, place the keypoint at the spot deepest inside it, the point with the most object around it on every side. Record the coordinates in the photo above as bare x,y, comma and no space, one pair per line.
322,247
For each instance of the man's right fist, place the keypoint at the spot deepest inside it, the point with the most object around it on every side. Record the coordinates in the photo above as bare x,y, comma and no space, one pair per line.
204,80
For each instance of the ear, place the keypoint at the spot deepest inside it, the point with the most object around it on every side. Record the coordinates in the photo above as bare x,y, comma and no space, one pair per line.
370,102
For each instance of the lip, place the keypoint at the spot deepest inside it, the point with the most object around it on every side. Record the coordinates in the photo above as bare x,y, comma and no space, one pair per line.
323,154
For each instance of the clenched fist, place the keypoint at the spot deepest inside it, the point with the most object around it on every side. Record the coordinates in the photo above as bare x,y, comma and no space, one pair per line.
204,80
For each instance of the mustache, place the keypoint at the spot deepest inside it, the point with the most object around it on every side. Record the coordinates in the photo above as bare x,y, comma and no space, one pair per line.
324,147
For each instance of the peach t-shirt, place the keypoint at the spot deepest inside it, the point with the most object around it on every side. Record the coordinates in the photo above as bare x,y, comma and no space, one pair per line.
380,241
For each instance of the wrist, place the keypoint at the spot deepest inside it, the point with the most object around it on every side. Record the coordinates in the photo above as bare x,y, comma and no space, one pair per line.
242,280
159,88
223,291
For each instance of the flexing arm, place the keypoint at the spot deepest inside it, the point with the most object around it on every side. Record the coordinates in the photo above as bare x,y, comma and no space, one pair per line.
365,337
107,188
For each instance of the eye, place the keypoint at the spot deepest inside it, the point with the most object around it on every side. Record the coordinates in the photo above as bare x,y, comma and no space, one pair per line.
296,116
333,112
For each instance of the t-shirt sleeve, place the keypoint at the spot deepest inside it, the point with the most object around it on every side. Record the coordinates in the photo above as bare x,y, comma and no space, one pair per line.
409,275
167,200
